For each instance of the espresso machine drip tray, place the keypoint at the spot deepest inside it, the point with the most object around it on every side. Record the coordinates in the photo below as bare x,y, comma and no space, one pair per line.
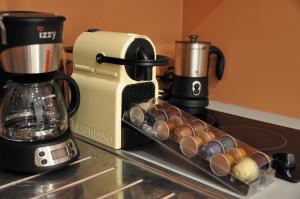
101,172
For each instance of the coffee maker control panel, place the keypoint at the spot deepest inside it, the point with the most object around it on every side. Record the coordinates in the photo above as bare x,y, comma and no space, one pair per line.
196,88
55,154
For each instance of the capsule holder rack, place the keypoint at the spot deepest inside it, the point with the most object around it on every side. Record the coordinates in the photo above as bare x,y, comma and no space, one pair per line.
237,185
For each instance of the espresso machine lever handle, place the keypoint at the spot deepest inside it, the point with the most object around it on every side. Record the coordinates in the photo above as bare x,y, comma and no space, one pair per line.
159,61
220,61
75,92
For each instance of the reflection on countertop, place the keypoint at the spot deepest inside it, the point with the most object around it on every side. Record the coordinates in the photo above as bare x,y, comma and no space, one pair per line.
97,174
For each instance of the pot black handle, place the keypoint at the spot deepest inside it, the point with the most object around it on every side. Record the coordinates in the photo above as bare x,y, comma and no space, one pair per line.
220,61
75,92
159,61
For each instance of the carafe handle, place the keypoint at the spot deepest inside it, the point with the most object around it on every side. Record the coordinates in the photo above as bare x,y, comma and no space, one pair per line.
75,92
220,61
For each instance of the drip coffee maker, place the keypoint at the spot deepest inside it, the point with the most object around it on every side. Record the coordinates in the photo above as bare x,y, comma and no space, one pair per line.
34,122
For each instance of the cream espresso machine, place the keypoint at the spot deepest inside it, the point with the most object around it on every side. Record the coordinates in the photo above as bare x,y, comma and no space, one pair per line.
113,70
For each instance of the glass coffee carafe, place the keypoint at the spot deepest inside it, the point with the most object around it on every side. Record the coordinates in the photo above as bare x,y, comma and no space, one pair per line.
32,108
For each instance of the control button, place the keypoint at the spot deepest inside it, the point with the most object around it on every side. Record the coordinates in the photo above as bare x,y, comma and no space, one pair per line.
196,88
44,161
41,153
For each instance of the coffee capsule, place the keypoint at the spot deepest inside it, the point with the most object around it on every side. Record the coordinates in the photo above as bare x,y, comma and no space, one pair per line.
246,169
199,126
173,111
190,145
236,153
206,136
182,131
220,164
228,142
137,115
177,122
262,160
162,129
211,148
159,115
161,106
187,118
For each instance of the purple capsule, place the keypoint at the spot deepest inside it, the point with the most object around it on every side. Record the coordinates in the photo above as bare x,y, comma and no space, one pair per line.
211,148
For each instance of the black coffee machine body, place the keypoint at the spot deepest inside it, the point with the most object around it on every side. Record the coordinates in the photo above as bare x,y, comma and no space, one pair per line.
190,86
34,132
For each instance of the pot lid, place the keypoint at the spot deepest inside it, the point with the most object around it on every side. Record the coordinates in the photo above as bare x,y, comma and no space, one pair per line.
193,39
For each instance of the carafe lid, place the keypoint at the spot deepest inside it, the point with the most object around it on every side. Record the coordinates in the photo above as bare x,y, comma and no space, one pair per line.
20,28
30,16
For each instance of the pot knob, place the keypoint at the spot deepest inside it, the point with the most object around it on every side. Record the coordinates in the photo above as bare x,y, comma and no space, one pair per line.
193,38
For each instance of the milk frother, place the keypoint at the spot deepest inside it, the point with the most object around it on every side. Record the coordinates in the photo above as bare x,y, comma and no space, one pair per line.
190,87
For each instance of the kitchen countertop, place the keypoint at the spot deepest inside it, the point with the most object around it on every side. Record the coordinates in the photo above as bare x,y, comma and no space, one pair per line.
101,172
98,174
145,172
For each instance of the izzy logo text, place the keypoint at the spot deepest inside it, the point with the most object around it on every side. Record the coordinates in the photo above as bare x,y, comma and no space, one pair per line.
47,35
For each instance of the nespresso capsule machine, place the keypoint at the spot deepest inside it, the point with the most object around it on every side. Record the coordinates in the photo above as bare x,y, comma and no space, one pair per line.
113,70
190,87
34,122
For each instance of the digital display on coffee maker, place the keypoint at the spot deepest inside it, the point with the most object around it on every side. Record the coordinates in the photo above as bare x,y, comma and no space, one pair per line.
59,153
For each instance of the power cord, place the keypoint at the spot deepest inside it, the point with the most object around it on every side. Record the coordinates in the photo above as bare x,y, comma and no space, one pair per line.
168,78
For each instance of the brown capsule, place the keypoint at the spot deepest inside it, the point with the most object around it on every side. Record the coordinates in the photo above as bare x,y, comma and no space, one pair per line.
176,121
190,145
173,111
159,115
220,164
162,129
162,106
199,126
137,115
184,120
182,131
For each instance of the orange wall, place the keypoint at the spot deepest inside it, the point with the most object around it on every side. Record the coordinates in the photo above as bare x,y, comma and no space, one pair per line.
160,20
260,39
3,5
261,43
